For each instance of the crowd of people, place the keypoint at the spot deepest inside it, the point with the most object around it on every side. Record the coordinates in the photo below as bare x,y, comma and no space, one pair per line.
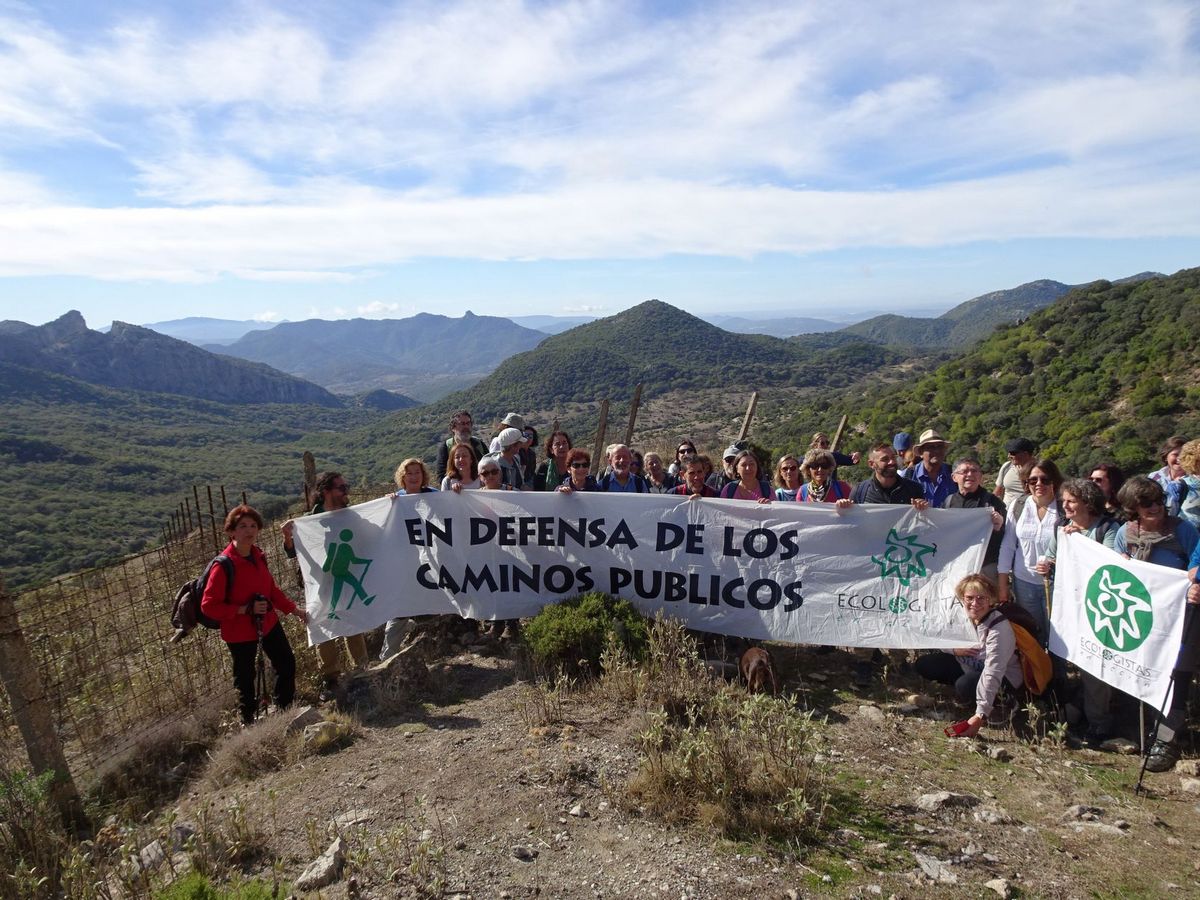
1152,517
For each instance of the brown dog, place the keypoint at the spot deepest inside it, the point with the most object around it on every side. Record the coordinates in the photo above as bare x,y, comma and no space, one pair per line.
758,671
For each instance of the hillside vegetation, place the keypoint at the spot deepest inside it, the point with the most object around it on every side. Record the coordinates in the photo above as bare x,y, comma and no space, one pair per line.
1106,372
92,473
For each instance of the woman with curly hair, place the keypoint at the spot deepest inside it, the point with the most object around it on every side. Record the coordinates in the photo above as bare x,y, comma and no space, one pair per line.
1183,495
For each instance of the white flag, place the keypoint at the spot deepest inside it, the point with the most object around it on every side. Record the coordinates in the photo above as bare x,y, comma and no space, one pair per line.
873,576
1119,619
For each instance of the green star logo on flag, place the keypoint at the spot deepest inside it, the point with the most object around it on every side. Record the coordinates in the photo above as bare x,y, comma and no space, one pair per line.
904,557
1118,607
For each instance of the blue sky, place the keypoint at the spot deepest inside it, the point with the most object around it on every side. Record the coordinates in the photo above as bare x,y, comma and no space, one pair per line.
292,160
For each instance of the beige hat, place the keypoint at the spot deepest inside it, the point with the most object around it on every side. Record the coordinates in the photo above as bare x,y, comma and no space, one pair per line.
929,436
512,420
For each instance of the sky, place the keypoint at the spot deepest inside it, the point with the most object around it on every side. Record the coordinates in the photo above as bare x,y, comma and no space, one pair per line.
315,159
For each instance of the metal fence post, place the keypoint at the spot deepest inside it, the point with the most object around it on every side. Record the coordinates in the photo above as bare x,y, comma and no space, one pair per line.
31,710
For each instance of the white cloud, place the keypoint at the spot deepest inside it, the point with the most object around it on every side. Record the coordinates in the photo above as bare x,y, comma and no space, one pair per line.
266,145
269,315
604,220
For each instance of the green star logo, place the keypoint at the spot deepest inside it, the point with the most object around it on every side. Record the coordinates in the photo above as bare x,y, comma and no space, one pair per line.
904,557
1118,608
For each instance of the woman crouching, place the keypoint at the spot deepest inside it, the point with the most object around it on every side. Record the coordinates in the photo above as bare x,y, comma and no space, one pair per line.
247,612
978,672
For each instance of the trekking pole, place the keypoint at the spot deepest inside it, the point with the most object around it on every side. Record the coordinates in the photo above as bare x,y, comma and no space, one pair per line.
260,671
1137,788
1186,640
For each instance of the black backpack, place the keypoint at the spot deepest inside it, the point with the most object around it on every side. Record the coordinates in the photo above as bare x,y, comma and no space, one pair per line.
185,612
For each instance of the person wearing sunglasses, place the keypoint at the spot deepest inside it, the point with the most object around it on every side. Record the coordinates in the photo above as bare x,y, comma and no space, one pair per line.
787,478
685,449
333,493
821,484
579,477
1153,536
490,476
1027,534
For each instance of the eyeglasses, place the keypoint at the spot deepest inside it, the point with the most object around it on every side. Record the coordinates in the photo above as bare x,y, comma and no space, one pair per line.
683,450
1039,479
971,471
975,598
486,472
1150,505
580,465
789,468
819,467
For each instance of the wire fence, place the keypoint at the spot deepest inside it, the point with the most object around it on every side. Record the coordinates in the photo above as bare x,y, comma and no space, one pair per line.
101,640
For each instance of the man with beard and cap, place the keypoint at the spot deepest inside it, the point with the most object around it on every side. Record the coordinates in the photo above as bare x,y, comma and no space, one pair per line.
932,473
1009,485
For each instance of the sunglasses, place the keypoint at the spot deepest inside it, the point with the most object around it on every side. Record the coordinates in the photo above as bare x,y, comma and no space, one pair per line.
1039,479
580,465
1150,505
789,468
486,472
819,467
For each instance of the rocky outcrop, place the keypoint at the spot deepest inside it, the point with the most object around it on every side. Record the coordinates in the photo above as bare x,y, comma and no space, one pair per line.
137,358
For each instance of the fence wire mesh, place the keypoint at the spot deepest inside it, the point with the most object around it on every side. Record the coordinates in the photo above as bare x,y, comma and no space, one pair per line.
102,642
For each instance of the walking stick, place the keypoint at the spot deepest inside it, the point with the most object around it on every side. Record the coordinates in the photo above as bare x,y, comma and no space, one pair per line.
260,673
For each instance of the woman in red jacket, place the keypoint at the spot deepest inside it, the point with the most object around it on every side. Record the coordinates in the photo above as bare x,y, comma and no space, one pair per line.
249,613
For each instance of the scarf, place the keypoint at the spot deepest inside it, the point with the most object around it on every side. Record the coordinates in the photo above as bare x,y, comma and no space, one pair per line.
1142,543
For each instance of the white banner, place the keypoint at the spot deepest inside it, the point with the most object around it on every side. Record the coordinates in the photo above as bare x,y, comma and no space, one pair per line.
874,576
1117,618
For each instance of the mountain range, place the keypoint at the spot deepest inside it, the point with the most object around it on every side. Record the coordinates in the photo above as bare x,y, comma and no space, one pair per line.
136,358
424,355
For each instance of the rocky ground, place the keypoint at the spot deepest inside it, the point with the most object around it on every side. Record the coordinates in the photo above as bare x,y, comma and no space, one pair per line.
458,790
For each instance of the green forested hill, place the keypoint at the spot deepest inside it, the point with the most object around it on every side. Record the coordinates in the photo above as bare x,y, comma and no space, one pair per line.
964,324
92,473
1106,372
654,344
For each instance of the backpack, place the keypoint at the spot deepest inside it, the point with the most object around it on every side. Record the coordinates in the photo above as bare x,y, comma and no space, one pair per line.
185,612
1036,668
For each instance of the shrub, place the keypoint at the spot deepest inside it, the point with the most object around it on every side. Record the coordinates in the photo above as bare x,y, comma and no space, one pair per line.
713,754
576,631
32,842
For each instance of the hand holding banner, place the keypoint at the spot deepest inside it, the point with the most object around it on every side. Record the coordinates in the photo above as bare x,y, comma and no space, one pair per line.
872,576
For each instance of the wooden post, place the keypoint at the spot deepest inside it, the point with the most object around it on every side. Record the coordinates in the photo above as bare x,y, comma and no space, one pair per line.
837,437
33,715
245,502
600,436
749,416
187,509
224,504
310,480
199,517
212,517
633,411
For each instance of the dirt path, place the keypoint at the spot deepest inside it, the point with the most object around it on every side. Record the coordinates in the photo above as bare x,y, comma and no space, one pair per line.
464,793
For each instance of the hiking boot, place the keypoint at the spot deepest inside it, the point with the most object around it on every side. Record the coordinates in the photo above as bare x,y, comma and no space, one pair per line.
511,632
328,689
1162,757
